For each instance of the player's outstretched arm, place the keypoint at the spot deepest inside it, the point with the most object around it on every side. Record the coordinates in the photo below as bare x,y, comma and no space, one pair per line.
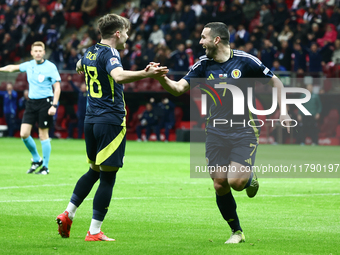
175,88
276,83
10,68
121,76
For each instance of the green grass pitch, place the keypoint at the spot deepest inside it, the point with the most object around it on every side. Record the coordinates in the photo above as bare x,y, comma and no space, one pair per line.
158,209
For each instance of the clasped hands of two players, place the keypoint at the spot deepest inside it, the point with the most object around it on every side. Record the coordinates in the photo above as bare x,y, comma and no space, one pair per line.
156,70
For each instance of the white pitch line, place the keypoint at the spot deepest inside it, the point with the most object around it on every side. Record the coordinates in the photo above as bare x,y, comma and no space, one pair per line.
301,195
193,183
145,198
35,186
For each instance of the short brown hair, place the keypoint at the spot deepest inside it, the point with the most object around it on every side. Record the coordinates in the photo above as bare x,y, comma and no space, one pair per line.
110,23
38,43
219,29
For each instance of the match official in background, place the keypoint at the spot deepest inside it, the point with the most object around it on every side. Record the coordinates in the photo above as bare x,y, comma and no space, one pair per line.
105,122
10,107
42,105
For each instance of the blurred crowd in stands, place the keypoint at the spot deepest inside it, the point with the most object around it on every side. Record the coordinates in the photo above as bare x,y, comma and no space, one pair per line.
277,32
287,35
23,22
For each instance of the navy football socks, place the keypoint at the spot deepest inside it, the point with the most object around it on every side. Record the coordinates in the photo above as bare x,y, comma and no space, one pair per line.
227,206
84,186
103,195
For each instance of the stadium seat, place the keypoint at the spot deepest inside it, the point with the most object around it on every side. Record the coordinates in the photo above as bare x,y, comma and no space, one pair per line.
60,117
74,19
78,78
3,85
2,121
65,86
20,85
155,86
135,120
64,76
143,85
178,116
129,87
338,131
330,124
75,108
21,77
327,85
21,114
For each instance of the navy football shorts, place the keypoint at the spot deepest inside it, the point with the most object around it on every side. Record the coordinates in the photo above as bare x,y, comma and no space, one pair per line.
37,111
105,144
221,151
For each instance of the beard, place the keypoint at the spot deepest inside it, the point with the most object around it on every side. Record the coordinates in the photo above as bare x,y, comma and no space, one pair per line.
210,52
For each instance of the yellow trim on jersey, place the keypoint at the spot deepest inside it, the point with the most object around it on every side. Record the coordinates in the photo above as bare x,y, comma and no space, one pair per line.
124,119
231,53
256,131
111,147
104,45
207,121
112,85
90,161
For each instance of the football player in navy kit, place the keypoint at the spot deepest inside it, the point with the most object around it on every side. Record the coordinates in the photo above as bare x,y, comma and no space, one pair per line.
232,146
105,124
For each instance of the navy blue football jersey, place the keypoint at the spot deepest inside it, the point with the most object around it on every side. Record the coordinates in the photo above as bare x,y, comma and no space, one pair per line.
240,70
105,98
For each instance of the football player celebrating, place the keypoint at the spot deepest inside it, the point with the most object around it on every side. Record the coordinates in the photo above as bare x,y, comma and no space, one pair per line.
105,124
229,146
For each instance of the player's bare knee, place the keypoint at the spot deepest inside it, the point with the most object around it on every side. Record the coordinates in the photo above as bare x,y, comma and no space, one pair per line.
221,186
43,137
24,135
43,134
25,131
237,183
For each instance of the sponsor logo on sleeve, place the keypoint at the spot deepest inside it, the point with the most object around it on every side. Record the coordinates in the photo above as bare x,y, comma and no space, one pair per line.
265,71
114,61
